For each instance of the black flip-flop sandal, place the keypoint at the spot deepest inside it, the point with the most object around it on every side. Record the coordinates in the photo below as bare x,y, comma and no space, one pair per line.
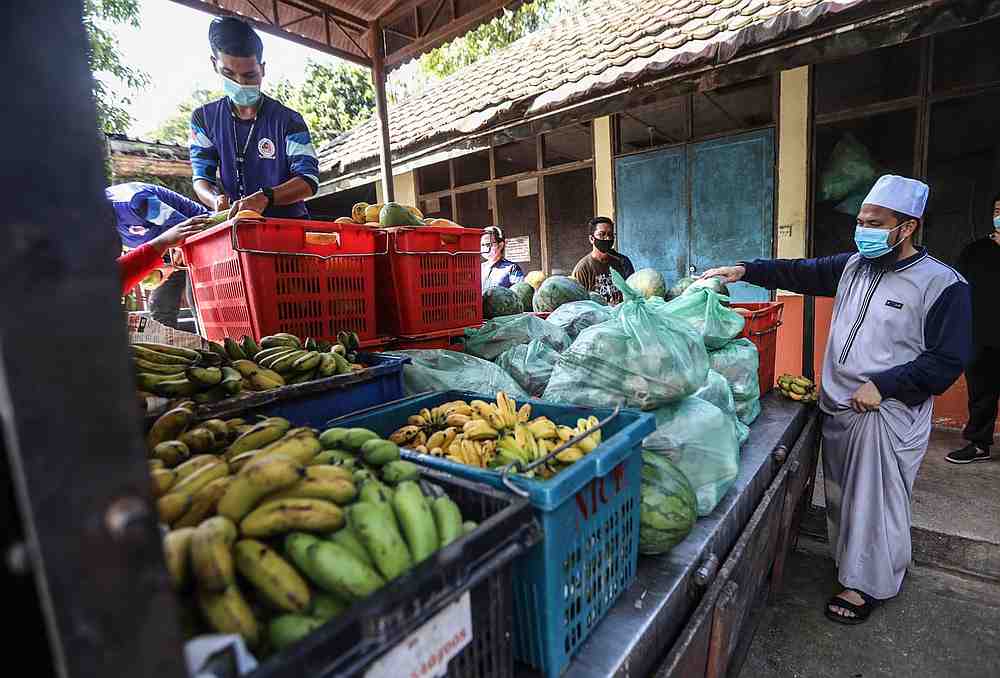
860,612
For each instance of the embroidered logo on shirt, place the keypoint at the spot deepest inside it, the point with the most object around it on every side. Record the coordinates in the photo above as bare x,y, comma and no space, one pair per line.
136,229
893,304
266,148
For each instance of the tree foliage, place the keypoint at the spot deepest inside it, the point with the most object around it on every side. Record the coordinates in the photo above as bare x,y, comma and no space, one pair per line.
332,98
176,128
106,62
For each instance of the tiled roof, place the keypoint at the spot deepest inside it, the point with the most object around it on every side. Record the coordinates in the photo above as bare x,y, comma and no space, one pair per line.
122,144
608,44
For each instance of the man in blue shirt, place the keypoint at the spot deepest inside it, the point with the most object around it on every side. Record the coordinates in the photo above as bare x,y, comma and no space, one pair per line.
248,151
497,271
143,212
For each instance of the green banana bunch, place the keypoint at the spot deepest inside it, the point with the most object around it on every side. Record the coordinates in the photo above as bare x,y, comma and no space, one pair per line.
332,567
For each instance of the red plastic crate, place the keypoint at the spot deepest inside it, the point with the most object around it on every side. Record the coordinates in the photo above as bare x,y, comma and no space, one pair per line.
762,329
429,280
451,339
260,276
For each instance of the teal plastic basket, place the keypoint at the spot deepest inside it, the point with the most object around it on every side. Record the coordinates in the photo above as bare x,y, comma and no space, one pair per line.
589,513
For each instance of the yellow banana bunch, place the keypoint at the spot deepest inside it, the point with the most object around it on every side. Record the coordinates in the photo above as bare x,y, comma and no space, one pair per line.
590,443
507,409
458,420
526,441
405,435
524,414
477,429
482,409
543,428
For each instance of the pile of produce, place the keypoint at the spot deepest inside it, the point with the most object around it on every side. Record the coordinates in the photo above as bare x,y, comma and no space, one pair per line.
493,435
498,301
525,293
738,361
274,530
224,370
798,388
639,358
390,214
555,291
669,506
535,279
649,282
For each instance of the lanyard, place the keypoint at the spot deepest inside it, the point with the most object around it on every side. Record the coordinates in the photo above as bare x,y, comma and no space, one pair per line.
241,155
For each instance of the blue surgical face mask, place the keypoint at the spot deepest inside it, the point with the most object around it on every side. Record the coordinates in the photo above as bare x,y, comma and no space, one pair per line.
874,242
241,95
996,223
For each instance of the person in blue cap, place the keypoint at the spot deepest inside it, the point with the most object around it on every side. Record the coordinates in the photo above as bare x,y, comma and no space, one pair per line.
143,212
248,151
900,334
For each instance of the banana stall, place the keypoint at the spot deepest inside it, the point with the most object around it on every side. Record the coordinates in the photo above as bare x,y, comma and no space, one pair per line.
361,466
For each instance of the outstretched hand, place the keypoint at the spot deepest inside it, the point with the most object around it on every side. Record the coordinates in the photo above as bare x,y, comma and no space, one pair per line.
730,274
179,233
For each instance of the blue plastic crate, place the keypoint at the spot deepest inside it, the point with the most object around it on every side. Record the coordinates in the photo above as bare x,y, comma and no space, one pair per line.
315,402
589,513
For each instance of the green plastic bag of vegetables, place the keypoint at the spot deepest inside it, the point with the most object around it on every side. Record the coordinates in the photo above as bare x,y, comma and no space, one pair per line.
748,410
737,361
700,440
443,370
704,310
577,316
638,359
530,365
500,334
716,391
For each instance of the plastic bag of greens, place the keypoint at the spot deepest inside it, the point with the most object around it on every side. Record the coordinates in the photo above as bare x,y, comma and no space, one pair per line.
700,440
637,359
748,410
499,334
577,316
716,391
703,309
530,365
442,370
851,169
737,361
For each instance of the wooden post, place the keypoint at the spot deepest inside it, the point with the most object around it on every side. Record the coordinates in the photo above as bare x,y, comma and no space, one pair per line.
377,49
70,420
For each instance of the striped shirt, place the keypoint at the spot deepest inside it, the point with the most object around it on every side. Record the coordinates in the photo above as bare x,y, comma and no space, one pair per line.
278,148
144,211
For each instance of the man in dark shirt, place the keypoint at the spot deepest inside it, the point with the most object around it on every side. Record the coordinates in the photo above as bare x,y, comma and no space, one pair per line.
980,264
248,151
594,270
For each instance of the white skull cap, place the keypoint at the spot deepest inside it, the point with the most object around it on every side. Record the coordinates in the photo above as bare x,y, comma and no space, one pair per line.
901,194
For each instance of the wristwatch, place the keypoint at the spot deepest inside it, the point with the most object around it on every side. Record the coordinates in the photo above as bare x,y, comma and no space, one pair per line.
269,194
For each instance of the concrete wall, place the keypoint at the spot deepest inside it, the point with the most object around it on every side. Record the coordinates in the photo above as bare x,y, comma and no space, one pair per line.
405,188
793,207
604,167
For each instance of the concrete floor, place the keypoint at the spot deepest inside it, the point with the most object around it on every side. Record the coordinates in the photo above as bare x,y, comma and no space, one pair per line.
941,625
956,510
960,499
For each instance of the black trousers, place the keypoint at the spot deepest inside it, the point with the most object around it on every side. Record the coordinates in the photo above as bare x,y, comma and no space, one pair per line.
983,377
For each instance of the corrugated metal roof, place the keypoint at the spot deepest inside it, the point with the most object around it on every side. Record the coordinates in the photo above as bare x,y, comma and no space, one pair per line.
609,44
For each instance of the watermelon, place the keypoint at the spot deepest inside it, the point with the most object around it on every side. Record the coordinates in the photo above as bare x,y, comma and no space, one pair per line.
556,291
535,279
717,285
394,214
525,292
649,282
499,301
669,506
679,287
